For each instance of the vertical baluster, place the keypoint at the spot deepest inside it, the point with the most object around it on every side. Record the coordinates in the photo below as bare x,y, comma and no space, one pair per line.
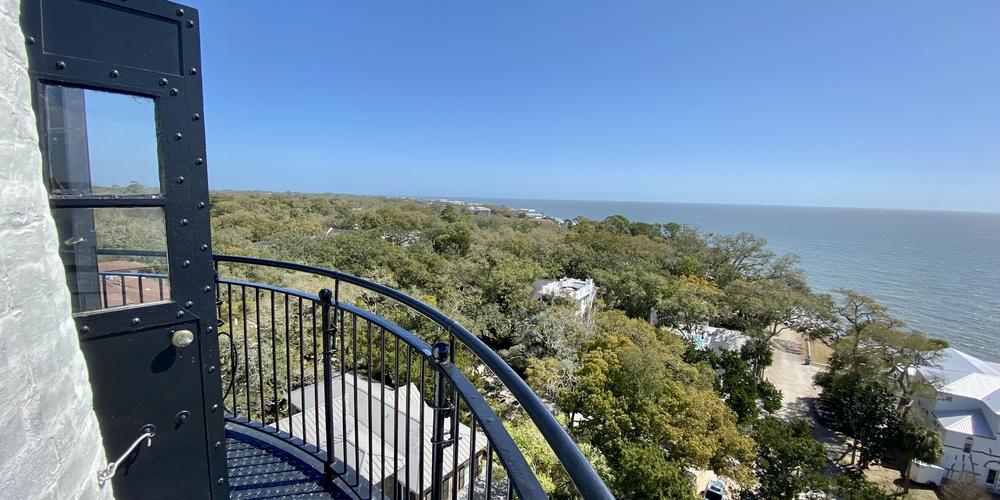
235,348
274,365
142,299
260,350
302,375
395,423
354,391
473,456
381,425
440,354
489,469
328,341
371,447
422,406
409,397
339,313
316,382
246,348
159,282
122,280
288,365
455,437
104,290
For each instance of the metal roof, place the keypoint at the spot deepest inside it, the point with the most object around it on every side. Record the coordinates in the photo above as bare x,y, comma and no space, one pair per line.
384,416
971,422
960,374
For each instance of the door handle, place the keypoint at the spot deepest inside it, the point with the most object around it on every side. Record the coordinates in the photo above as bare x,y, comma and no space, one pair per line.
148,431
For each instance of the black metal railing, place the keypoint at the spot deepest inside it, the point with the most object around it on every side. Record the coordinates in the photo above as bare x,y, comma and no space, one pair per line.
136,285
388,410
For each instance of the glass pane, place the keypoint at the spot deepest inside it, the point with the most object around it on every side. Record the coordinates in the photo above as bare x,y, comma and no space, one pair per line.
100,143
113,256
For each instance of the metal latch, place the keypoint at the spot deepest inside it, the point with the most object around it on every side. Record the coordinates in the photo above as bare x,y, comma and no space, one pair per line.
147,431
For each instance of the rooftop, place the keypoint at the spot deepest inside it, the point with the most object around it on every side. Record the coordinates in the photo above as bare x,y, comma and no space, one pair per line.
971,422
378,448
960,374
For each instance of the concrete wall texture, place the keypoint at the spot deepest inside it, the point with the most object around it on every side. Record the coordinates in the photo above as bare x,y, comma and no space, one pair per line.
50,443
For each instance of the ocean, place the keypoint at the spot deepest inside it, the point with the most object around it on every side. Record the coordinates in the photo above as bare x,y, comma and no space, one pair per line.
938,271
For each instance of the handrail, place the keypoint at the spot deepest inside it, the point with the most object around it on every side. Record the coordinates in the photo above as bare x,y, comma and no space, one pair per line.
581,472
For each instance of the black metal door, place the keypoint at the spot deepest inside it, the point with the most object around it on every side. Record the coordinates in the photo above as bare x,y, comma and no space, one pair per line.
119,103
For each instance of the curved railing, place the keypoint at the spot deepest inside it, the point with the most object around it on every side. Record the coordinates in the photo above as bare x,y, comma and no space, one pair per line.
404,422
290,352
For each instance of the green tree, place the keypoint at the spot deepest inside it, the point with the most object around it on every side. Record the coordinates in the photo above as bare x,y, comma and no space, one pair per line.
865,409
745,256
856,487
688,302
450,214
633,387
789,460
743,392
879,345
546,466
455,240
645,472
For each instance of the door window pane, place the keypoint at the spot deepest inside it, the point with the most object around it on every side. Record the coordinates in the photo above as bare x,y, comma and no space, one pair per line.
113,257
99,143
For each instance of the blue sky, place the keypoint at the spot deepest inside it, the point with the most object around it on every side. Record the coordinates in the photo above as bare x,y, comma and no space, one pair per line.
851,103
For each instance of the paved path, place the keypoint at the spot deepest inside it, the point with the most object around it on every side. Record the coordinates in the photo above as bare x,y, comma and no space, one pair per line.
789,373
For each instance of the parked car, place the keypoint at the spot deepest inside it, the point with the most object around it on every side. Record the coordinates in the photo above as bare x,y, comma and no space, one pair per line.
716,490
824,414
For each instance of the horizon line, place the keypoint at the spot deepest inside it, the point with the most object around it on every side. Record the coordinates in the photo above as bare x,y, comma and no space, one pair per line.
649,202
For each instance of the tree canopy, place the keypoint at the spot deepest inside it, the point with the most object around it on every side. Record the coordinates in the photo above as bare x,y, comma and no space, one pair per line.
641,404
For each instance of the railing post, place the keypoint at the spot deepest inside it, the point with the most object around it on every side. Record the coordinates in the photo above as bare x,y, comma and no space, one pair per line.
329,331
441,353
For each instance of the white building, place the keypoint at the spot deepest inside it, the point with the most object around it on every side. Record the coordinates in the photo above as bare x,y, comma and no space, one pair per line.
479,210
583,292
379,452
715,338
966,411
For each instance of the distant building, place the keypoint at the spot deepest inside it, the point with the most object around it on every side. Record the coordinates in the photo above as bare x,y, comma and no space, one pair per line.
395,435
966,412
583,292
530,213
479,210
714,338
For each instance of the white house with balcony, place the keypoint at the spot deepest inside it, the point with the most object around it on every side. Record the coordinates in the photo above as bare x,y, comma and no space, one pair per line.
582,292
966,412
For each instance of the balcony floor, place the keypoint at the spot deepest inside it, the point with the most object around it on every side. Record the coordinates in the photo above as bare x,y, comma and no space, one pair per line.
260,470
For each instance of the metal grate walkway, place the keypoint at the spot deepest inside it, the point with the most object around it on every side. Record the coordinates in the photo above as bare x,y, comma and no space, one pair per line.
259,470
